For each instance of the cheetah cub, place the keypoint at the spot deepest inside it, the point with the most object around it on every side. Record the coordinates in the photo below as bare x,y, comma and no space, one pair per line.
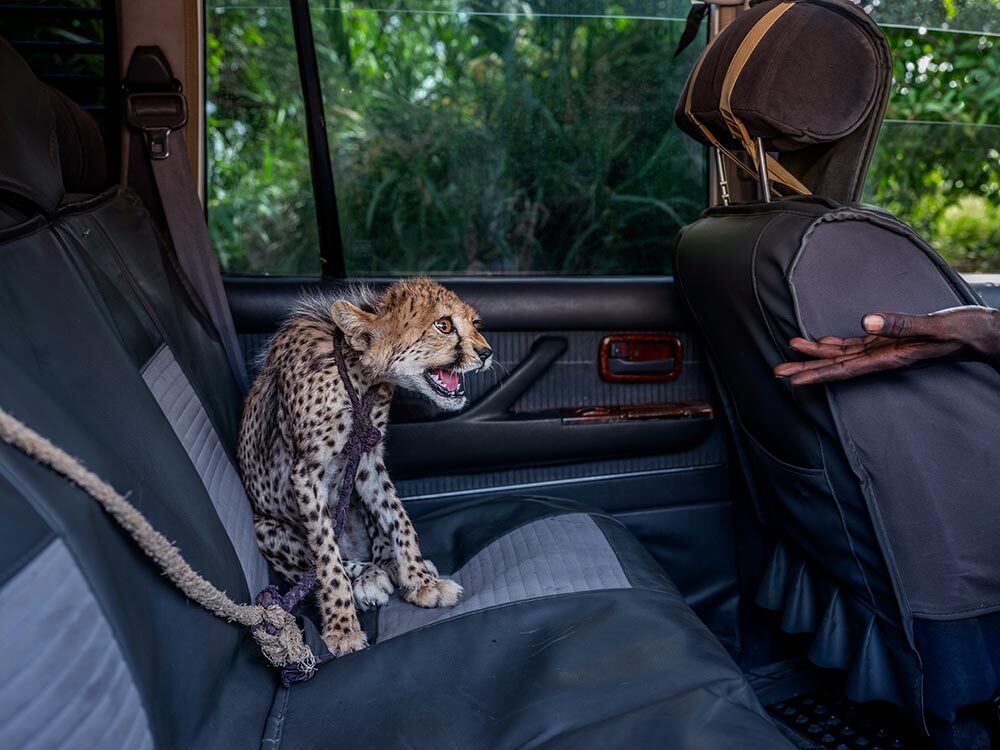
294,443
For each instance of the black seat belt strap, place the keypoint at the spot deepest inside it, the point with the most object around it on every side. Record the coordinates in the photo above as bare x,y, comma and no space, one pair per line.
155,107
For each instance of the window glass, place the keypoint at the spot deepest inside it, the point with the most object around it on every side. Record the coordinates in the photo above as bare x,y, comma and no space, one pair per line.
977,16
536,136
507,137
261,212
485,137
937,165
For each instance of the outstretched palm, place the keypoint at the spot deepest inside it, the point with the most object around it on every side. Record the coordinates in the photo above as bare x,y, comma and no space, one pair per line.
896,340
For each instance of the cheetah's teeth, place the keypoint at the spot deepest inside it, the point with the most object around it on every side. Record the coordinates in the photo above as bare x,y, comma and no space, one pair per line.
448,379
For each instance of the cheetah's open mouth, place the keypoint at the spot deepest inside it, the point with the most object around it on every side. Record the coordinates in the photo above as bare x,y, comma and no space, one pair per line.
446,382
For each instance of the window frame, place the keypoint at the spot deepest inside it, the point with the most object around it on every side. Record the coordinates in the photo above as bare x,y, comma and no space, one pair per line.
331,238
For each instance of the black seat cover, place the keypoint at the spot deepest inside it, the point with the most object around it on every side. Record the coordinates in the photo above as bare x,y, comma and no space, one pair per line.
878,492
569,633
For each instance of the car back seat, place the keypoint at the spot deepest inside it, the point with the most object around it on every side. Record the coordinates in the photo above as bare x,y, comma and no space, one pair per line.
569,634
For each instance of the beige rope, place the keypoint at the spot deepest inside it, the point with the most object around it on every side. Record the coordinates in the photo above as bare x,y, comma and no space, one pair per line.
285,647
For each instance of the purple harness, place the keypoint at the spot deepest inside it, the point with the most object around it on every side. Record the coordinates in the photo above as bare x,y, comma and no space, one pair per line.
364,436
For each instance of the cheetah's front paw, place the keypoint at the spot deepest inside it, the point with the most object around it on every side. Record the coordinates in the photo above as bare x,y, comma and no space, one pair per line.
341,644
372,588
437,593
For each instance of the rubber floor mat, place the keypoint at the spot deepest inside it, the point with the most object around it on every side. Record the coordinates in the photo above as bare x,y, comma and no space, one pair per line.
827,719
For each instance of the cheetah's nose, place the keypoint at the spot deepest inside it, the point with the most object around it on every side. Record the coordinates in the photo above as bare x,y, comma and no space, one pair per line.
484,353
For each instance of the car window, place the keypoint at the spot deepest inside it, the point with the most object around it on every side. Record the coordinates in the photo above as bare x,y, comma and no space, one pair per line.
466,137
261,211
517,138
937,164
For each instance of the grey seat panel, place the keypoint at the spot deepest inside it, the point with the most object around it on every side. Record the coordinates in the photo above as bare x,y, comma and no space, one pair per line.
186,414
920,450
562,555
65,682
199,677
876,490
552,556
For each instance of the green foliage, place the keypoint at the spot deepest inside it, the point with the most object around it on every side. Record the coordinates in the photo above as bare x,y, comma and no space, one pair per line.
462,143
938,152
968,233
260,204
488,137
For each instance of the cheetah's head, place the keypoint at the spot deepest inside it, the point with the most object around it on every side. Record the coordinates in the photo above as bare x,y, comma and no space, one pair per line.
420,336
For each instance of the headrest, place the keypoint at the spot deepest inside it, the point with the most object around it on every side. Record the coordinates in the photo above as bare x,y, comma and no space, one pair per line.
82,156
29,149
805,76
48,144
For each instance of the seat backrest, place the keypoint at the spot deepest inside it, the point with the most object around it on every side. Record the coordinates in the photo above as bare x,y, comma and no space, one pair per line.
104,350
877,491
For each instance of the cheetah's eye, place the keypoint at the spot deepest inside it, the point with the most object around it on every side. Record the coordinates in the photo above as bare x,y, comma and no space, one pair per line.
444,325
477,324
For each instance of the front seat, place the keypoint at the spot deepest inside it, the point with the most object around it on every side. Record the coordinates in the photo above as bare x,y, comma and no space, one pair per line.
878,493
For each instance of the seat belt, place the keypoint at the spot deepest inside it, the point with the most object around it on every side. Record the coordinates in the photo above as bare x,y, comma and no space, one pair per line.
155,107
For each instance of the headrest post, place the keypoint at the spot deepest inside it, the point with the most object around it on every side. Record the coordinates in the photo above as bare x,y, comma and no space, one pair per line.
762,176
720,168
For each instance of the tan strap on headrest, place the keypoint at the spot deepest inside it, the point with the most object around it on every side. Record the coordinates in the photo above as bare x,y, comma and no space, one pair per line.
734,123
736,127
709,136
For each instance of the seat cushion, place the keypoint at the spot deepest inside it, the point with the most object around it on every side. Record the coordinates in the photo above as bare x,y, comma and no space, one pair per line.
568,634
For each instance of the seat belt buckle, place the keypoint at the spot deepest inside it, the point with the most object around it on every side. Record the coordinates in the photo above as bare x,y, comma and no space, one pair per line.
156,114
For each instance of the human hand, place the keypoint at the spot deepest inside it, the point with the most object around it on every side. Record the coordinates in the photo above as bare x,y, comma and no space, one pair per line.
897,340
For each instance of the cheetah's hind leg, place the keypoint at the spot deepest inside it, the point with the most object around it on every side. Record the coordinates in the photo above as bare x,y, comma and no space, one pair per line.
282,547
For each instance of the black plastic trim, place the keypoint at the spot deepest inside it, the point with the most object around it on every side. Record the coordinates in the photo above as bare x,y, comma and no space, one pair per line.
523,440
331,244
112,88
498,402
639,303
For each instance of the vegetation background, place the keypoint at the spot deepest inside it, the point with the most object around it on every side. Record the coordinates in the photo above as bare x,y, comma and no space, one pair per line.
536,136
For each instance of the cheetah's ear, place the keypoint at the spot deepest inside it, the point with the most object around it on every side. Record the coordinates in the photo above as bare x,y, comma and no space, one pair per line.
357,325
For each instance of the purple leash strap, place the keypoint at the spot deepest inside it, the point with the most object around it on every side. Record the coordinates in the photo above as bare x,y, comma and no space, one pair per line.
364,436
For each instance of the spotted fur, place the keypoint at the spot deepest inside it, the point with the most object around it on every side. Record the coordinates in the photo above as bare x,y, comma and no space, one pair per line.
295,425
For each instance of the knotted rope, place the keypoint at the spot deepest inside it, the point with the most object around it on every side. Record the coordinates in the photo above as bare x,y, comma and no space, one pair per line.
363,437
269,620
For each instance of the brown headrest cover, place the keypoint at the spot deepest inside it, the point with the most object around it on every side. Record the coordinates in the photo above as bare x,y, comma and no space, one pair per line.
813,77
